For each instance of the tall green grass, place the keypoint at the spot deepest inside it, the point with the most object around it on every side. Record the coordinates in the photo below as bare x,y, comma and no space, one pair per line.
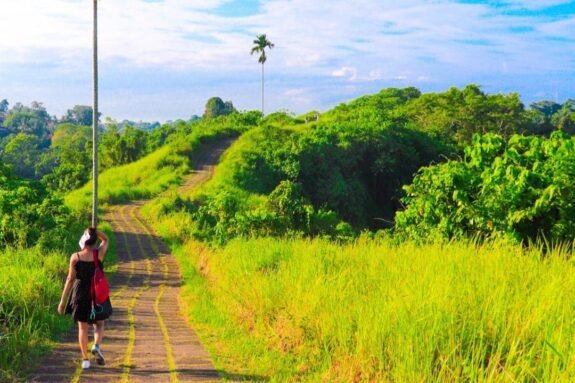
141,179
312,310
31,283
30,288
154,173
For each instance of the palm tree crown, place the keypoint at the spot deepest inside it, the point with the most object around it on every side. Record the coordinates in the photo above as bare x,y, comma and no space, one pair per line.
260,45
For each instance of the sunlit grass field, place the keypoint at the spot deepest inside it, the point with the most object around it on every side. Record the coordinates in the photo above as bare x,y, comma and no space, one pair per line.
141,179
371,311
31,283
152,174
30,288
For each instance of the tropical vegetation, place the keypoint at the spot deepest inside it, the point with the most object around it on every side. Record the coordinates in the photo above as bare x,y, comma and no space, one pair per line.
375,311
398,237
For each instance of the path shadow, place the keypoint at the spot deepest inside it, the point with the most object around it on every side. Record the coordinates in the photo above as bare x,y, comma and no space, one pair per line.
243,377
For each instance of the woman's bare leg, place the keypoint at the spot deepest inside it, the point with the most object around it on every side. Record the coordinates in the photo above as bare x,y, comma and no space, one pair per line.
98,332
83,338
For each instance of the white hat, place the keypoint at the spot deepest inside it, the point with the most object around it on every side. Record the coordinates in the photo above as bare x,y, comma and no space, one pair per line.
84,238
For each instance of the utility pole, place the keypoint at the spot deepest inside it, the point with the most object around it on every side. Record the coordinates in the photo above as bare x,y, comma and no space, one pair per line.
95,123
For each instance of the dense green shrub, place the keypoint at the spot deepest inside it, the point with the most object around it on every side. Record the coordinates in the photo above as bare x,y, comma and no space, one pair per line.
29,214
459,114
324,178
523,188
349,165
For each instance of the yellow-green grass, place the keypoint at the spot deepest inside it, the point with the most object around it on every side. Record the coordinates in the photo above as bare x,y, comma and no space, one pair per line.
163,209
312,310
29,295
230,161
31,283
152,174
141,179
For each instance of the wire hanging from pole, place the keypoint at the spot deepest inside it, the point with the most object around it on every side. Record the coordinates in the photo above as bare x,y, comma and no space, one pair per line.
95,122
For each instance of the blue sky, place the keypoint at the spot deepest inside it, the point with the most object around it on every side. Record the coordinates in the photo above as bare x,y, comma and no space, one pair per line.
162,59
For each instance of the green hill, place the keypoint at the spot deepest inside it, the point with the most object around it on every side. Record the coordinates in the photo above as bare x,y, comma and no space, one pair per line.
294,267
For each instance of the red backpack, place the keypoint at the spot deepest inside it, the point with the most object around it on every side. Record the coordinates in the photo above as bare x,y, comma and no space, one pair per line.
100,288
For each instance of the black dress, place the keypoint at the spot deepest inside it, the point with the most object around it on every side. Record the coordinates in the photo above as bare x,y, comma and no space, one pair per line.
80,303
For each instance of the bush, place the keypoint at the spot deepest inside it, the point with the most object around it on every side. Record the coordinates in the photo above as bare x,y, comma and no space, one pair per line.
523,189
30,215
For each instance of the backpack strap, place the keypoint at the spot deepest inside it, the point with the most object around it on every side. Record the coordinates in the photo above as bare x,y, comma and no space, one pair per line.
92,288
97,263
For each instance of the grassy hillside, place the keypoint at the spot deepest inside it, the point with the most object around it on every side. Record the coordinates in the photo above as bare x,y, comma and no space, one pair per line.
312,310
159,170
420,156
137,180
323,178
341,305
365,308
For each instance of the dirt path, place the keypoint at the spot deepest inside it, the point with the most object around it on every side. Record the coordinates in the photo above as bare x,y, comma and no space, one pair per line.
147,339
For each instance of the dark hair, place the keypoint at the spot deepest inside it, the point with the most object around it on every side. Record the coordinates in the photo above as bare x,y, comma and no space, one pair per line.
93,237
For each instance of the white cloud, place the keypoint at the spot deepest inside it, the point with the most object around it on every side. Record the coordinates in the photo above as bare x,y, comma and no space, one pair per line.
295,92
300,98
348,72
371,43
182,34
562,28
375,75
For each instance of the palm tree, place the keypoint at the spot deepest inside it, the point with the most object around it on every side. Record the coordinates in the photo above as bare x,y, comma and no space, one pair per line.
260,44
95,121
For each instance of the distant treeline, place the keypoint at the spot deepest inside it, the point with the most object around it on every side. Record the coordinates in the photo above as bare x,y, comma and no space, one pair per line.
338,172
37,146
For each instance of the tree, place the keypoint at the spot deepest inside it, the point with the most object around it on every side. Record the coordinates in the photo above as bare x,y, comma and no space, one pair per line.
79,115
3,109
540,115
29,214
111,147
564,119
66,164
216,107
459,114
23,153
30,120
134,141
4,106
522,188
69,165
70,134
548,108
260,44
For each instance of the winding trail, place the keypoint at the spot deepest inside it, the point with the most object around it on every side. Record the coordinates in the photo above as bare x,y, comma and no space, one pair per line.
147,339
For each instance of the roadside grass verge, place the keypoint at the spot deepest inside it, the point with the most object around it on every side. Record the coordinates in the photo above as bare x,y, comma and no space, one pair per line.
138,180
313,310
31,283
152,174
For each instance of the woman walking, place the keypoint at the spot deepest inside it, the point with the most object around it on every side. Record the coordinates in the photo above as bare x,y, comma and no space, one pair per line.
79,281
